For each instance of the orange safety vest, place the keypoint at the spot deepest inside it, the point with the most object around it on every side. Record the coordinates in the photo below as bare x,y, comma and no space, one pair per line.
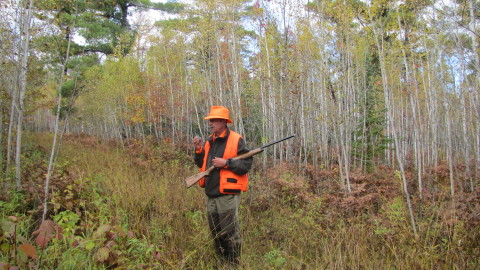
230,183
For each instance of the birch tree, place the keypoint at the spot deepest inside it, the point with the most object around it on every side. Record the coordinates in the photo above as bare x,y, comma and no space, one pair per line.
22,84
363,84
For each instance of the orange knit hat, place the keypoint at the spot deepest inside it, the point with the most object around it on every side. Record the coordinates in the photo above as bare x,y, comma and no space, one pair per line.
219,112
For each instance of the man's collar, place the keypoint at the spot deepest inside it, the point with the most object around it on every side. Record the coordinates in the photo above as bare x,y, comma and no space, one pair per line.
223,135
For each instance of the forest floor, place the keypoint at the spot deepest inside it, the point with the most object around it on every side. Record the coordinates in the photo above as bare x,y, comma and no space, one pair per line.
125,207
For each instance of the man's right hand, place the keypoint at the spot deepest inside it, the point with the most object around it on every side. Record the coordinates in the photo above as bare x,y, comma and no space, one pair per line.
197,141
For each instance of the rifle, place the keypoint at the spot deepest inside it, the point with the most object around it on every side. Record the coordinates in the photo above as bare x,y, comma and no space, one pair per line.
190,181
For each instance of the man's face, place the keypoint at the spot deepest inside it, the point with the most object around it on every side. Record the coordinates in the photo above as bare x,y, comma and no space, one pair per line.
217,126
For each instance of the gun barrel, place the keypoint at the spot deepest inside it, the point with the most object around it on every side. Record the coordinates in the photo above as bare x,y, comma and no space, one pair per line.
275,142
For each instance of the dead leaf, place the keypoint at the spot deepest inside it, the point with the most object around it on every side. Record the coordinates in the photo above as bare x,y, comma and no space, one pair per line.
45,233
102,254
100,232
12,218
28,250
159,256
59,232
69,205
4,266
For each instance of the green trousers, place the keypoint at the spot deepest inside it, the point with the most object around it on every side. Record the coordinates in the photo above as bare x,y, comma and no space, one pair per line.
222,215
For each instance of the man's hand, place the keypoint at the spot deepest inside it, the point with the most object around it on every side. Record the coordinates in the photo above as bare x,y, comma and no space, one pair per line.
219,162
197,141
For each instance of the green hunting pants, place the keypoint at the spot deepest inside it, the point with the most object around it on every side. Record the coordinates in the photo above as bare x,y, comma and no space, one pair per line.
222,215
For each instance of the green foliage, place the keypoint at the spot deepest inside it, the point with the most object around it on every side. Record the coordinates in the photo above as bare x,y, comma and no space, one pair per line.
117,82
371,135
14,205
140,249
196,217
104,27
396,211
66,108
80,64
72,258
170,7
275,259
68,88
68,221
170,23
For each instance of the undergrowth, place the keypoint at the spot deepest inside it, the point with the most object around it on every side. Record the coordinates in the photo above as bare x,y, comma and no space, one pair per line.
125,207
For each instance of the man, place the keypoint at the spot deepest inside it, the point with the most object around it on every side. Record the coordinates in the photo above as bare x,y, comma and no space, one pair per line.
224,184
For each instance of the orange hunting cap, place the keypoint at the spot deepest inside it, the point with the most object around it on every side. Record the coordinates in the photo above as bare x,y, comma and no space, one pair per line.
219,112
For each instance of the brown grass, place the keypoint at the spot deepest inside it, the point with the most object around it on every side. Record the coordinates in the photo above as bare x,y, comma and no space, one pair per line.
291,218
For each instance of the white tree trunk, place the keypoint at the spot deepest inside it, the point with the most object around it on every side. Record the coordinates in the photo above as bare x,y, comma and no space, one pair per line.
378,39
21,94
51,163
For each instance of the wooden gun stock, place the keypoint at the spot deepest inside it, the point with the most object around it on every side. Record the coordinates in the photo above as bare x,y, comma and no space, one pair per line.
190,181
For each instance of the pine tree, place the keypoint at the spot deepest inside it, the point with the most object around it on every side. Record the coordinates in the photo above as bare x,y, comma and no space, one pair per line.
371,138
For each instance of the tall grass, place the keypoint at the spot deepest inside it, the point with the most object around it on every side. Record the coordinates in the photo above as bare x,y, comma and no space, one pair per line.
285,224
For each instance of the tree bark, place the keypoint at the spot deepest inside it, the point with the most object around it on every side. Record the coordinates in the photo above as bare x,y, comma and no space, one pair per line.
386,89
21,95
53,151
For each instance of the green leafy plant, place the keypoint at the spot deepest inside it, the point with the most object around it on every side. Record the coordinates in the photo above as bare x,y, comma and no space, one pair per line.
275,258
68,221
14,205
396,212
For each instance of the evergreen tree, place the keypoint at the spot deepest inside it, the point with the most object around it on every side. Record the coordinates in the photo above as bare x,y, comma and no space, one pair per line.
371,140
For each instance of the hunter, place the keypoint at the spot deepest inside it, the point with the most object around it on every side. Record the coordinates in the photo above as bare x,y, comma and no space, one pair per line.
224,184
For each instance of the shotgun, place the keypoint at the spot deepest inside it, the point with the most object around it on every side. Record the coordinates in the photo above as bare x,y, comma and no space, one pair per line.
190,181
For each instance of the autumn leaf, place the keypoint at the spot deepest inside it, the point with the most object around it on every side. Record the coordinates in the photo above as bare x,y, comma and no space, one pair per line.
28,250
100,232
158,256
102,254
45,233
4,266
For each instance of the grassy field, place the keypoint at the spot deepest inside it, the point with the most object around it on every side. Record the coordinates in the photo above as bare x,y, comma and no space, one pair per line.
125,207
